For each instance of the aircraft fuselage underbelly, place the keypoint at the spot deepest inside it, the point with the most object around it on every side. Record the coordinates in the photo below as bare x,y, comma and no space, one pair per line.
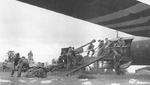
140,51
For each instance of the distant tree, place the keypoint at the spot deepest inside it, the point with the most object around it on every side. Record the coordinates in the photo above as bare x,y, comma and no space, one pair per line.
11,55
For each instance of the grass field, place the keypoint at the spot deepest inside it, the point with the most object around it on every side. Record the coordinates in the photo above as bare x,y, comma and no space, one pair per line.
88,79
97,79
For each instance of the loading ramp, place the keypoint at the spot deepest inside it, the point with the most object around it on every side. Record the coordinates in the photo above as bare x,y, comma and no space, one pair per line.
87,61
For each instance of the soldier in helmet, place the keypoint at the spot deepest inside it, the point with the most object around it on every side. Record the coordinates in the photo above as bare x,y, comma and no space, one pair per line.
30,57
15,63
107,45
4,65
70,57
91,49
22,65
120,42
100,47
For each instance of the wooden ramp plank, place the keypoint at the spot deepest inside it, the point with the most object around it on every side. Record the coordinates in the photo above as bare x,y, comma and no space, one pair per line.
87,62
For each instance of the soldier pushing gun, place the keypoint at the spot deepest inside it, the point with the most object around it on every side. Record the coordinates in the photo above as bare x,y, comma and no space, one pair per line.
91,49
18,65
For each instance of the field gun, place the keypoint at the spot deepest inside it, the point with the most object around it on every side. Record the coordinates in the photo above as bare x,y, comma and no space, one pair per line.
80,49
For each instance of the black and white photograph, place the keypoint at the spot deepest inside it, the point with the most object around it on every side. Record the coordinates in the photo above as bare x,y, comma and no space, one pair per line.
74,42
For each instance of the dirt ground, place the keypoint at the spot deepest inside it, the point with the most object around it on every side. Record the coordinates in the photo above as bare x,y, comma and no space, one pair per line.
95,79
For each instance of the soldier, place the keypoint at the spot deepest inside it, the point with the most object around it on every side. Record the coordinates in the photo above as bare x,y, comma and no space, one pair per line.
100,47
120,42
116,61
22,65
101,43
70,57
118,53
15,63
106,46
91,49
4,65
107,42
30,57
40,72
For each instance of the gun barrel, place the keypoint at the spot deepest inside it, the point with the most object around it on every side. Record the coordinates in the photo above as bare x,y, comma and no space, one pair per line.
80,49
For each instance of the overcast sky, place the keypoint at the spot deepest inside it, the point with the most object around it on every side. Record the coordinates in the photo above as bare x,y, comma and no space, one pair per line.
24,27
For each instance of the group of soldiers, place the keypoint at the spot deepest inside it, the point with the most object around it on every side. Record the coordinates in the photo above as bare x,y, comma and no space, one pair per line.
19,64
70,57
104,47
112,49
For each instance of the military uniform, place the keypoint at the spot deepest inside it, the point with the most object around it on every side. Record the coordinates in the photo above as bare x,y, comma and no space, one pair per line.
15,63
118,53
40,72
120,43
70,58
22,65
91,48
100,48
4,66
106,47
